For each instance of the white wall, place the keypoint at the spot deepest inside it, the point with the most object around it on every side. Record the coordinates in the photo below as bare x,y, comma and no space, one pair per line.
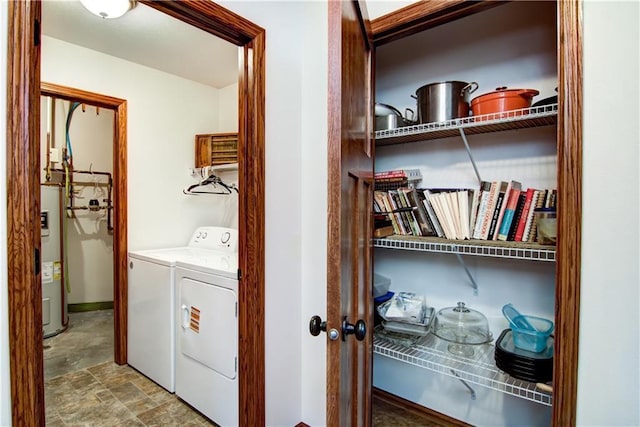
228,108
608,376
164,113
294,95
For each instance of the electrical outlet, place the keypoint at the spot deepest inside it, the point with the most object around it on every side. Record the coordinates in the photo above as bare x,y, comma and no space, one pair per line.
55,155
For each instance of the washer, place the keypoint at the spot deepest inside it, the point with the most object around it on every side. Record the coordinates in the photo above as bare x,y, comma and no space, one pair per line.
151,309
207,331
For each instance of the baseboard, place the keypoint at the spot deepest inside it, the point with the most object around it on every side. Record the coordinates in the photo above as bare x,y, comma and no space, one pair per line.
413,407
89,306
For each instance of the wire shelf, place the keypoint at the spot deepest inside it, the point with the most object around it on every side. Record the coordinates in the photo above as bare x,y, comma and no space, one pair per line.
486,248
544,115
431,353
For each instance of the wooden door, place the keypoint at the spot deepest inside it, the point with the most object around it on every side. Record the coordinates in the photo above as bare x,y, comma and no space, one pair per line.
349,268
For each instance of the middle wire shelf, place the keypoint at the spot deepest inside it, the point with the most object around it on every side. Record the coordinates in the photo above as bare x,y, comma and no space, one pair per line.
486,248
431,353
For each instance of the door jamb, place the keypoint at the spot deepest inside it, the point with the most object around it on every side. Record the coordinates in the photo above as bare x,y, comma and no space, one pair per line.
23,237
119,107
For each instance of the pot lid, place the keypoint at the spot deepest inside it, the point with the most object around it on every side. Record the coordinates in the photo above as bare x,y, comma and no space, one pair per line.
385,110
504,92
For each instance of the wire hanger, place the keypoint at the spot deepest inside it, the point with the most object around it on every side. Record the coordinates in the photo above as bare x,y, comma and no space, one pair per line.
212,182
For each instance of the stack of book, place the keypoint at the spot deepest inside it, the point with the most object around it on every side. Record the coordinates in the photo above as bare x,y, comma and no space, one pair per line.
498,210
394,179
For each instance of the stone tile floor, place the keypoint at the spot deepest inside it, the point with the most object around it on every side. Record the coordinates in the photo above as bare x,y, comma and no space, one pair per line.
110,395
84,387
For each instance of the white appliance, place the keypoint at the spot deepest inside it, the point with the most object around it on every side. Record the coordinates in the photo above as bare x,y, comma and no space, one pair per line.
207,329
151,306
54,296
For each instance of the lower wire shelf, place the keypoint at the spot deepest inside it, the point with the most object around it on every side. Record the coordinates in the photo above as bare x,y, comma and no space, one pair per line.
431,353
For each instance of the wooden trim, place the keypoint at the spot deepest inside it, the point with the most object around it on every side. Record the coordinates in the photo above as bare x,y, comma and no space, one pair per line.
210,17
23,232
251,140
568,251
414,408
23,119
302,424
119,108
334,116
408,21
423,15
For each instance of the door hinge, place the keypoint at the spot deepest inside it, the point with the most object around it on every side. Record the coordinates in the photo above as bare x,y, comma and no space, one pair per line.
236,364
236,309
37,261
36,33
239,274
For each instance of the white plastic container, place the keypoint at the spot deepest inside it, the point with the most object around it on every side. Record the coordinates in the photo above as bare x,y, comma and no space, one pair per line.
381,285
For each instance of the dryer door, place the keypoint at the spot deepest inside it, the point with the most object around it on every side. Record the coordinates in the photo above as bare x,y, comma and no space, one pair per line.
208,327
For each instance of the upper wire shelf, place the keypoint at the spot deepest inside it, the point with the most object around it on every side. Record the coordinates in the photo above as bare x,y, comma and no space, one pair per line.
487,248
544,115
431,353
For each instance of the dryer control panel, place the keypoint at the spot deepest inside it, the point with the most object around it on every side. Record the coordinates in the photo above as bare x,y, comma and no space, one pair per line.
215,238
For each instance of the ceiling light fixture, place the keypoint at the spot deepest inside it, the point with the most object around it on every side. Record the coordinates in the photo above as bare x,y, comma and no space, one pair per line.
109,9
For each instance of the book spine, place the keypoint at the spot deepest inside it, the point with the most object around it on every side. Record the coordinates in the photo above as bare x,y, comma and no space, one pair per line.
473,212
390,174
496,214
463,205
516,216
491,205
432,214
482,208
445,221
509,212
530,215
525,215
533,231
505,201
386,201
421,213
402,218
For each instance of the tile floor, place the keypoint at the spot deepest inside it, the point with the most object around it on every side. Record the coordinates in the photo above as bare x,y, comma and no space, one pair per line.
83,387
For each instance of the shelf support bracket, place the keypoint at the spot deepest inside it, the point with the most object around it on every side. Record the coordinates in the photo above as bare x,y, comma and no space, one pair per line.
474,285
473,162
471,390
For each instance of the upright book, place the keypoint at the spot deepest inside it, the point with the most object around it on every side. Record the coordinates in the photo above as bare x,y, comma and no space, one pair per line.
509,211
485,188
492,199
505,203
525,214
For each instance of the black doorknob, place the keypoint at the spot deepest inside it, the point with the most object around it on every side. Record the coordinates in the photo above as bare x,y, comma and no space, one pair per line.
359,329
316,325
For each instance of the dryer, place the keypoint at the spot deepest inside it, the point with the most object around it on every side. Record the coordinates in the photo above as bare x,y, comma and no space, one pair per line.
207,330
151,311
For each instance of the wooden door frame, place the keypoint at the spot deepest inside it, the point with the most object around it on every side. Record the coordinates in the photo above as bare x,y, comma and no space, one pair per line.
119,108
23,233
423,15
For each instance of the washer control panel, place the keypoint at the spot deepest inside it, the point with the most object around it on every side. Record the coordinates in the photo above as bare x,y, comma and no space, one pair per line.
216,238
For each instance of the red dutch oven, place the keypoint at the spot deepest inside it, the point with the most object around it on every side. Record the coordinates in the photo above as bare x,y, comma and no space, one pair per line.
502,99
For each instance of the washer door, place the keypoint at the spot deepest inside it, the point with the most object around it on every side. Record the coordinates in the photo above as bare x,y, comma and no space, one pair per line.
208,326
